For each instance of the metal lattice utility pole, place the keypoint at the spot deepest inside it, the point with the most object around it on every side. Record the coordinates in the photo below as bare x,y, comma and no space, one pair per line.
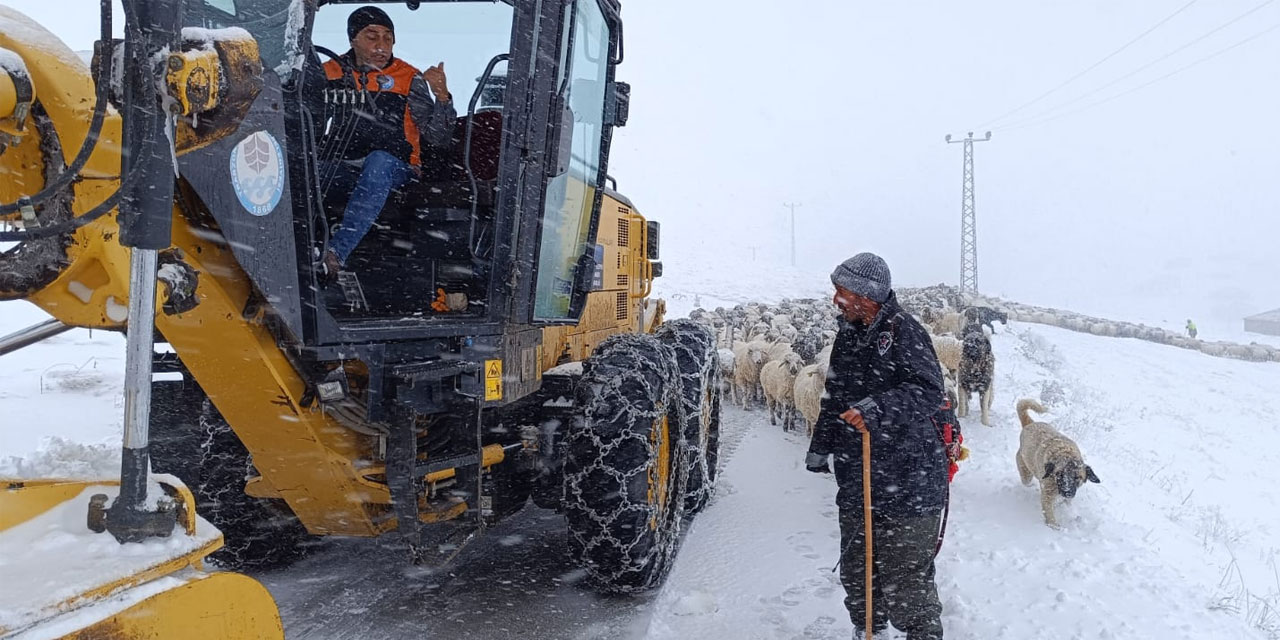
792,206
968,219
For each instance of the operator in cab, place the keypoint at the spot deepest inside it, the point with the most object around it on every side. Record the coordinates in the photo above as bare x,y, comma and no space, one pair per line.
404,110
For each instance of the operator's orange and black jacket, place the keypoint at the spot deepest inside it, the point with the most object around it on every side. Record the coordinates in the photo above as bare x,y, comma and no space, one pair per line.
398,115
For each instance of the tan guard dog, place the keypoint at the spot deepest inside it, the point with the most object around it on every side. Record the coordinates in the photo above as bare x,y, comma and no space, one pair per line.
1046,454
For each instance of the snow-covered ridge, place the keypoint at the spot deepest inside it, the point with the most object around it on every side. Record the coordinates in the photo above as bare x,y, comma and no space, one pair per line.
1253,352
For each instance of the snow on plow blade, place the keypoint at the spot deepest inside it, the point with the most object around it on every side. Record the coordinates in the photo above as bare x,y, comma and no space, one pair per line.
61,580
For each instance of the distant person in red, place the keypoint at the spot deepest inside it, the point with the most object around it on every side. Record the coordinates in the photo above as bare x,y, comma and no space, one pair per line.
405,108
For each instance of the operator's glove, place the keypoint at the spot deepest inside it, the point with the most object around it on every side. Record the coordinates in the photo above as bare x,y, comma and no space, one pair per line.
817,463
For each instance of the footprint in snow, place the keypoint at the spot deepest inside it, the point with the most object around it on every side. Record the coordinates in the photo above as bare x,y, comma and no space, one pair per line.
806,551
695,603
820,628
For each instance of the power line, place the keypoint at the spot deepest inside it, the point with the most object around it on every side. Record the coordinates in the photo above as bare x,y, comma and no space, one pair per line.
1142,68
1034,123
1091,68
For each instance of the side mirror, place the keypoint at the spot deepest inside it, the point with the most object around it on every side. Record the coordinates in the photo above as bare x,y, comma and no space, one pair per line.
620,105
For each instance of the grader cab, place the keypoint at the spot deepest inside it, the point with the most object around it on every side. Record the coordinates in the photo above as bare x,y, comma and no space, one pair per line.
489,343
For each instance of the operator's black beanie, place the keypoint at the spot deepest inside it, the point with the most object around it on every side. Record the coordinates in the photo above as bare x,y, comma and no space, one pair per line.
365,16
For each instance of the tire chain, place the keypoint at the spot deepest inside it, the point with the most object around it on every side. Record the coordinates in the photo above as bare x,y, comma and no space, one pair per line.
609,526
256,532
699,367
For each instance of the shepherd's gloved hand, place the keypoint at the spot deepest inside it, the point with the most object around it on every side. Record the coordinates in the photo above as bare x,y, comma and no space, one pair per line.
817,463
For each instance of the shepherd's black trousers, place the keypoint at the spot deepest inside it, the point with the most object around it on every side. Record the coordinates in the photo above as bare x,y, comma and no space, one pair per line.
902,584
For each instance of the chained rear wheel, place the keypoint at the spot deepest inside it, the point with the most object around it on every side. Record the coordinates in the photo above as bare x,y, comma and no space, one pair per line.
698,363
625,474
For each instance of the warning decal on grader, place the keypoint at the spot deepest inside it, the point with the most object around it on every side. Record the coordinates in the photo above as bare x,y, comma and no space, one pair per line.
492,379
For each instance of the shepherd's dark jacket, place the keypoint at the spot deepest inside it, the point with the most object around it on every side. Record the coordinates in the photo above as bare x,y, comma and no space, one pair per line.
889,372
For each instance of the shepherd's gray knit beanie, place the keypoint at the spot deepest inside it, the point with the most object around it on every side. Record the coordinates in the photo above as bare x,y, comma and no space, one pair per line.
865,274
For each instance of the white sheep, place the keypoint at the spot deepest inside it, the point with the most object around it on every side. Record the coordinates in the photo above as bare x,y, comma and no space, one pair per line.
725,335
727,358
778,379
947,323
824,357
949,350
758,331
747,360
775,350
807,392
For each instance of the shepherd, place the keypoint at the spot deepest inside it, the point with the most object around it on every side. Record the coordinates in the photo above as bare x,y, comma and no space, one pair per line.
884,384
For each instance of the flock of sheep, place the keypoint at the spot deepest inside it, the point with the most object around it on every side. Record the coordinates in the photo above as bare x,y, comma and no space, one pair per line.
775,354
778,355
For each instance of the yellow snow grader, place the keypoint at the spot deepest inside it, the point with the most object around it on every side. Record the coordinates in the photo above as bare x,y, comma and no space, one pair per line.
491,342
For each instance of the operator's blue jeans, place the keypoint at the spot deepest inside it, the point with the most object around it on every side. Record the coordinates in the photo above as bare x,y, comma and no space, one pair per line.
370,184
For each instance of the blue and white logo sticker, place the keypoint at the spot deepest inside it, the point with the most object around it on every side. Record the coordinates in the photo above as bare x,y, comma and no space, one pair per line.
385,82
257,172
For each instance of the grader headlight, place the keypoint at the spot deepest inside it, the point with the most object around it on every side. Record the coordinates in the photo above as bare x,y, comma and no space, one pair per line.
192,78
17,94
211,84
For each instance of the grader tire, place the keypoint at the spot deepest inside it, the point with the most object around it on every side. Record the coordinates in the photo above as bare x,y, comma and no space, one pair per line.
625,476
191,440
699,367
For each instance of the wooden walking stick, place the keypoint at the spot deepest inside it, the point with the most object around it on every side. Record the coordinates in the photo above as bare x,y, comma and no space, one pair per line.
855,420
866,515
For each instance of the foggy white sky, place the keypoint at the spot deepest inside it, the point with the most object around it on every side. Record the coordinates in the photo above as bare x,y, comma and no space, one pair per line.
843,107
1167,196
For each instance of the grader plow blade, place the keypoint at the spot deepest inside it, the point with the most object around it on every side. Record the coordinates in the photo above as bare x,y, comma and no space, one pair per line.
63,579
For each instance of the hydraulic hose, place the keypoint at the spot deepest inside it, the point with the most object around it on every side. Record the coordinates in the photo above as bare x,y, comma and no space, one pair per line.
67,226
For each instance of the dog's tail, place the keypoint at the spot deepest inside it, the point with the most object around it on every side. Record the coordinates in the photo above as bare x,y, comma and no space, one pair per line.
1026,404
